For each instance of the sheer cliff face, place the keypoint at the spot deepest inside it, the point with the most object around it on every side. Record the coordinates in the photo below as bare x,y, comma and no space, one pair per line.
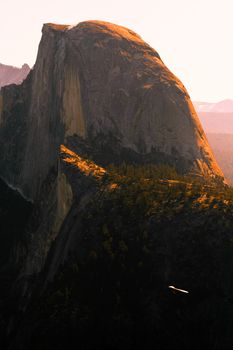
12,75
102,84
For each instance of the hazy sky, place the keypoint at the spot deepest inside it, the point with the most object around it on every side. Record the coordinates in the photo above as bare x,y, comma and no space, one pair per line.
193,37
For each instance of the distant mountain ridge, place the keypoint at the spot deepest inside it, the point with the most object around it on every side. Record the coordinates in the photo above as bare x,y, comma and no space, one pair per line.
222,146
217,121
13,75
216,117
225,106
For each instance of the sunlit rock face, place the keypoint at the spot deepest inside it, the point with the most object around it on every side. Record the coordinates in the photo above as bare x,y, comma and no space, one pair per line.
102,84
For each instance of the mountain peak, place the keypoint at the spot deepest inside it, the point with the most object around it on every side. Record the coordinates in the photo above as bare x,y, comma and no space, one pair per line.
54,26
97,28
99,88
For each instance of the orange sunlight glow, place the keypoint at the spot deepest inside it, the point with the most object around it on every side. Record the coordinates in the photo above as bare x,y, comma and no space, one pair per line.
87,167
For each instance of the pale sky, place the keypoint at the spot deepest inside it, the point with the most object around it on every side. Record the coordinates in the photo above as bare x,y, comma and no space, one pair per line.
193,37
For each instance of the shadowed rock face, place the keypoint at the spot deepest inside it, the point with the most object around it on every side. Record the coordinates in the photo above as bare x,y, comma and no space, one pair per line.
102,84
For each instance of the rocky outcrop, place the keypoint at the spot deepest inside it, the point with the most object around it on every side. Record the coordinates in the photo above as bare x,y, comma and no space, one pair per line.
102,84
13,75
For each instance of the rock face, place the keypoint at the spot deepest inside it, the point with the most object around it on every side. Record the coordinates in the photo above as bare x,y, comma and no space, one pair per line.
12,75
101,85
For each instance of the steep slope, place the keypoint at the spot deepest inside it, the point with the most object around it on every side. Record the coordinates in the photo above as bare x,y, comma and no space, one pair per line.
99,85
12,75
